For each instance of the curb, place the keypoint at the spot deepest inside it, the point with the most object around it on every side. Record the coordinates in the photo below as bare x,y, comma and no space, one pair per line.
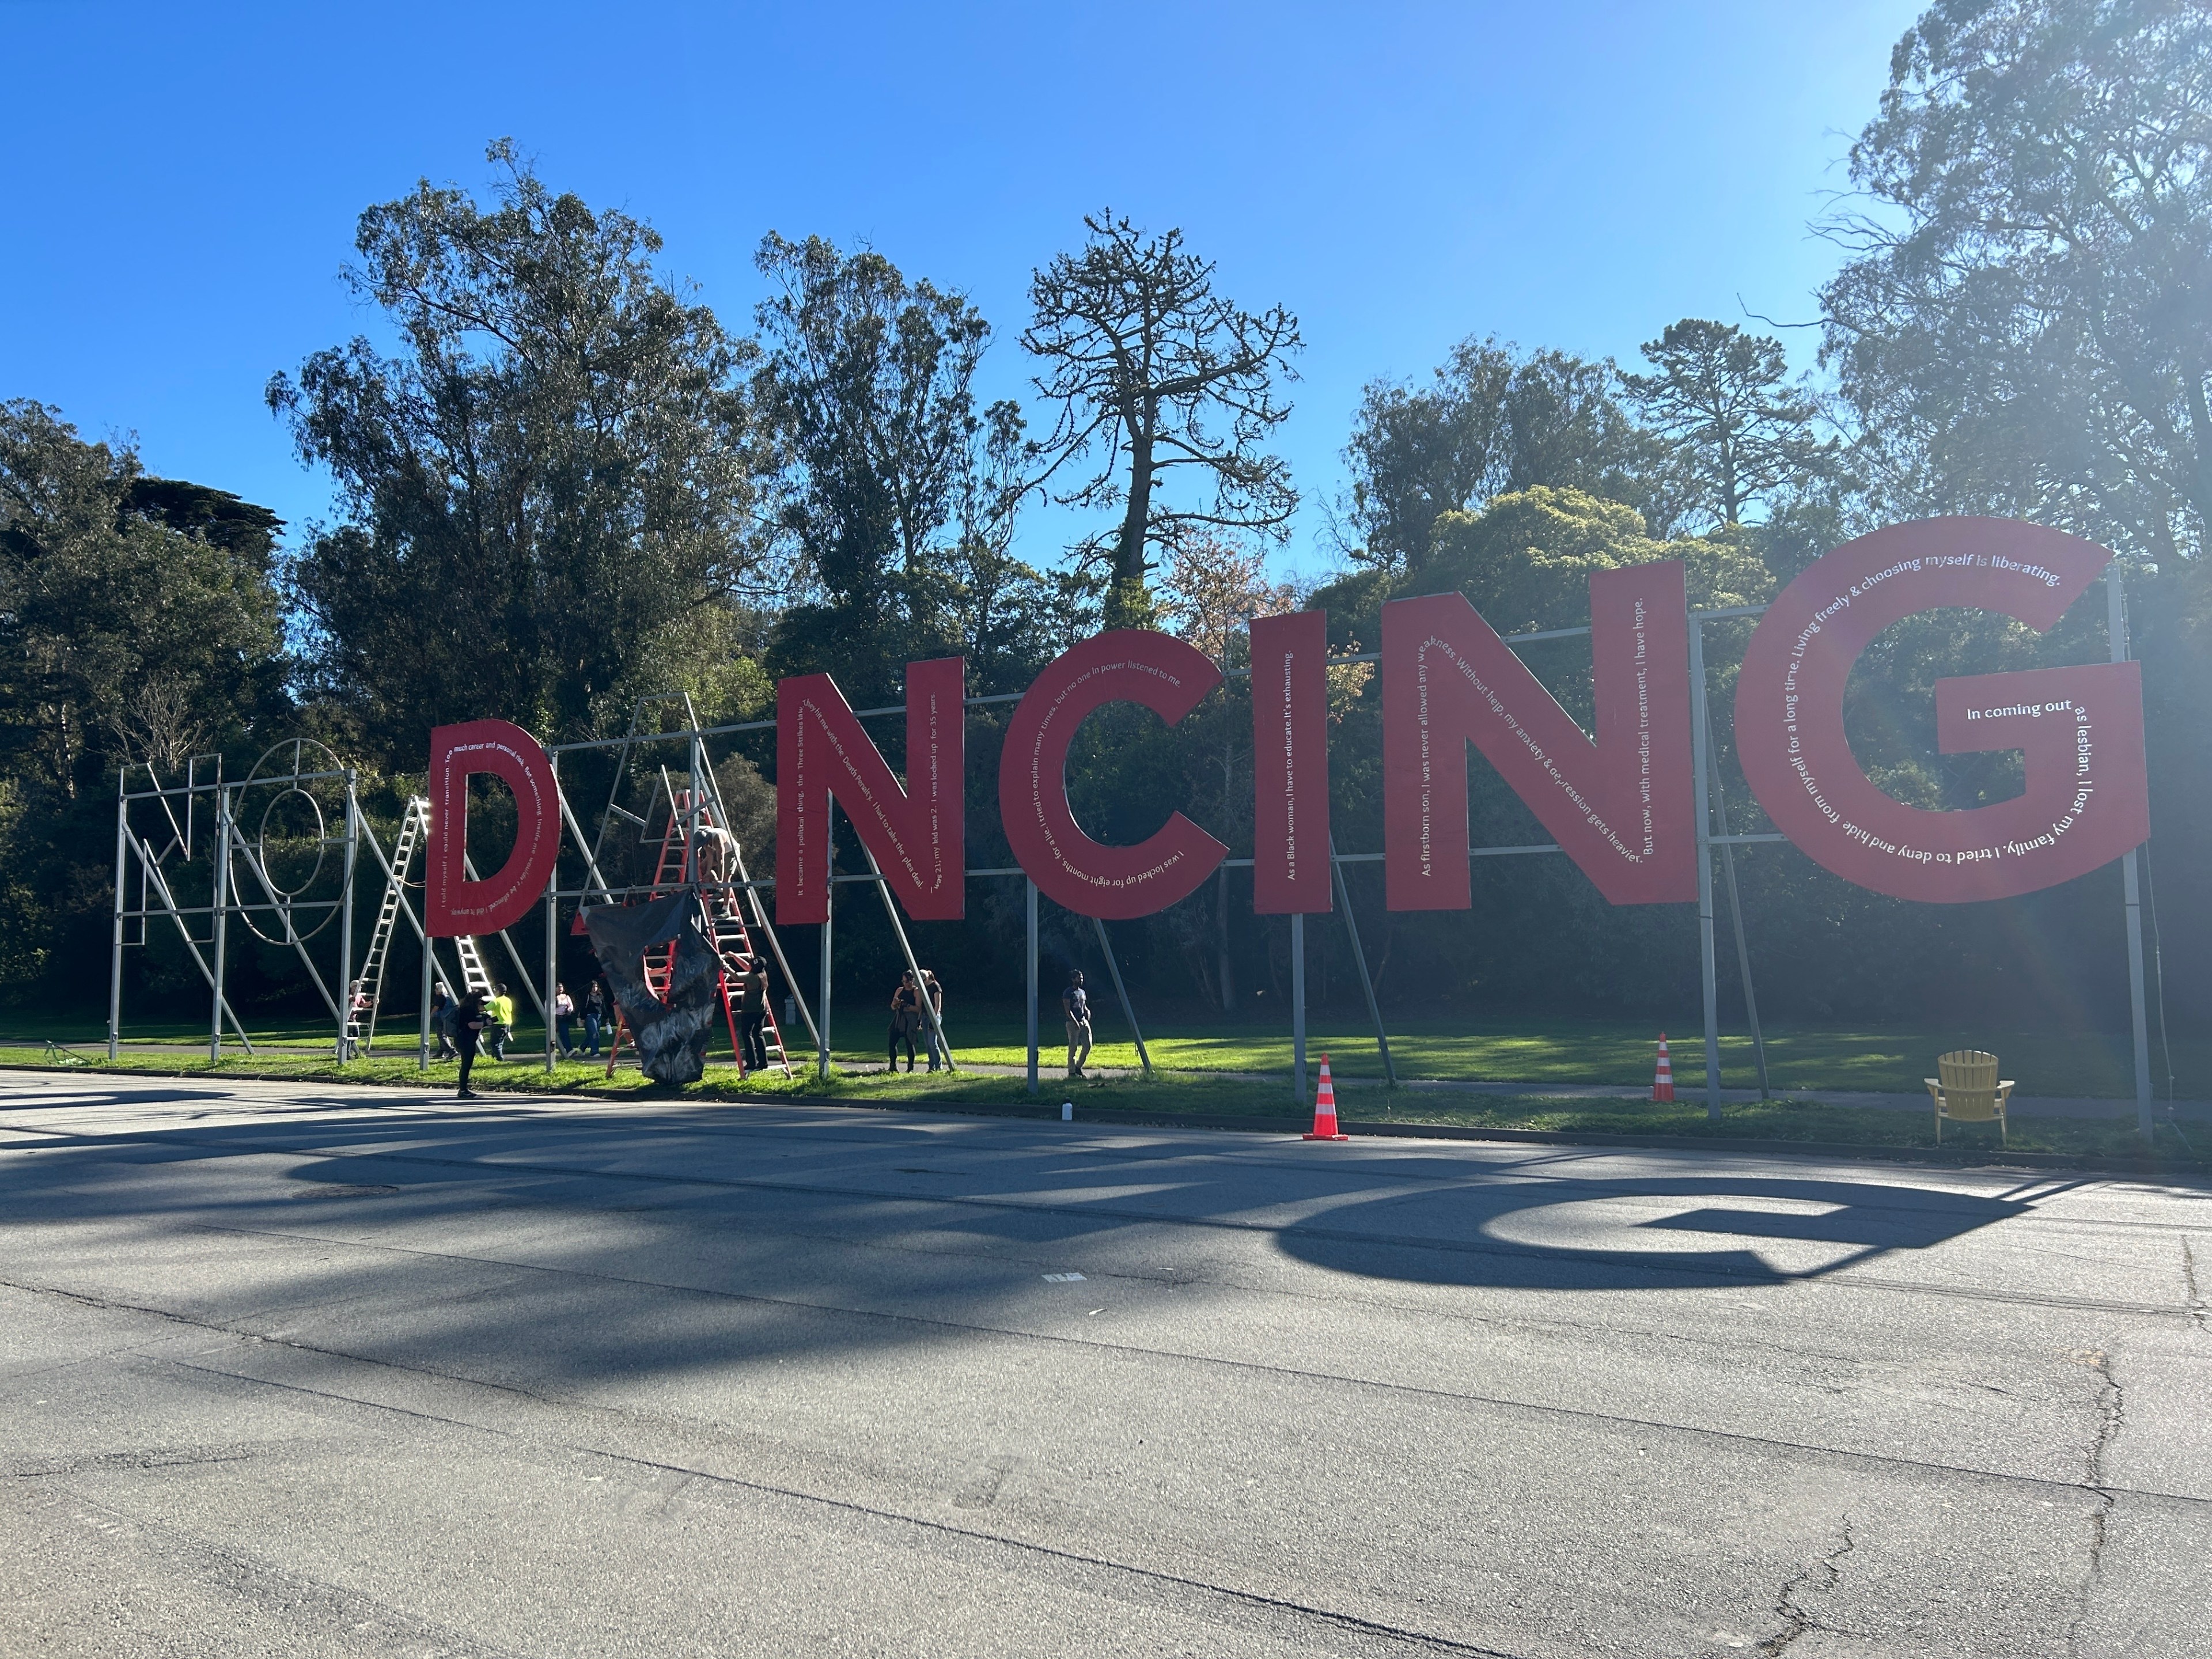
1292,1127
1295,1128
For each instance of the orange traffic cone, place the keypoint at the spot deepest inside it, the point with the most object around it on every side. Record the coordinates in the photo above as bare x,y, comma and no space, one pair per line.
1324,1127
1663,1085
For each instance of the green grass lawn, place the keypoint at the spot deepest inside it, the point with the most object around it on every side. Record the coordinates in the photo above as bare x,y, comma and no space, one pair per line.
1193,1093
1799,1060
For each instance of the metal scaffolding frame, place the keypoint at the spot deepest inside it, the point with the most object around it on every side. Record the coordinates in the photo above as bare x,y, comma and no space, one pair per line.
239,836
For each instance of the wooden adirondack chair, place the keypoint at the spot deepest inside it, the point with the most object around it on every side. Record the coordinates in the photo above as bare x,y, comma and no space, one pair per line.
1968,1090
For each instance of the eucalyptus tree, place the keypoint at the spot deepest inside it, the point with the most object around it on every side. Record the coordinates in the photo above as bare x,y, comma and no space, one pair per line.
2023,325
897,496
1166,392
553,478
1492,420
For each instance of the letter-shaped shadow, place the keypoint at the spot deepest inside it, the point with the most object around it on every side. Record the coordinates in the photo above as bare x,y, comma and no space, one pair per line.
1517,1234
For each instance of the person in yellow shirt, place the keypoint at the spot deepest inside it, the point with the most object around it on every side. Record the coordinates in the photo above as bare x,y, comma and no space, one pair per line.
502,1009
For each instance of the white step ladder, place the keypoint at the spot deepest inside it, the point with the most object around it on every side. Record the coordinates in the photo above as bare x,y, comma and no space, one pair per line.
360,1020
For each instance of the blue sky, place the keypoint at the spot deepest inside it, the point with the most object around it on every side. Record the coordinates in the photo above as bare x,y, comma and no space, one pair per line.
185,180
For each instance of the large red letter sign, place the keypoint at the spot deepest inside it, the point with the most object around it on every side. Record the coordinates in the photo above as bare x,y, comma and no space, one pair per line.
1290,764
1125,665
2087,797
918,834
1621,808
454,905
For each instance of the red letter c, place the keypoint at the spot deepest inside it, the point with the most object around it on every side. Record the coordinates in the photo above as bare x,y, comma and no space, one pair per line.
1127,666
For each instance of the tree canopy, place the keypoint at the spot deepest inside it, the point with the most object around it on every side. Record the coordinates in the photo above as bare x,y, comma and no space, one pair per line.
1494,420
125,638
2023,325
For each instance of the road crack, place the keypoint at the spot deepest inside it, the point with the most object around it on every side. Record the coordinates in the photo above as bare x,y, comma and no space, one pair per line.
1796,1619
2112,1407
2199,1315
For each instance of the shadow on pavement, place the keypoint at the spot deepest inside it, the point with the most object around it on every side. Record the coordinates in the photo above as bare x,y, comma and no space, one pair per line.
539,1250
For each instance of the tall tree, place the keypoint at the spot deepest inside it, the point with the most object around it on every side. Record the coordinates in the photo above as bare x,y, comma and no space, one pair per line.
1722,395
1159,378
2025,327
558,470
1493,421
870,386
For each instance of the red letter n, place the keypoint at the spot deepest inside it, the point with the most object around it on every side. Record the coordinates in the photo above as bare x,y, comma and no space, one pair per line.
917,833
1622,807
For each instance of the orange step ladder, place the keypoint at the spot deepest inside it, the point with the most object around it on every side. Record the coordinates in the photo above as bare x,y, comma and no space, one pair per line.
725,920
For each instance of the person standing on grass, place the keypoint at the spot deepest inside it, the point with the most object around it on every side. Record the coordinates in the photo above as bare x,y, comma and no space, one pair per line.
1075,1004
935,993
906,1015
595,1015
564,1011
441,1024
469,1021
358,1005
502,1010
752,1015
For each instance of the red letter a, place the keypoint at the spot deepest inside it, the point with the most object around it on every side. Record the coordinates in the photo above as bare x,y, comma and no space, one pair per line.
917,833
1622,808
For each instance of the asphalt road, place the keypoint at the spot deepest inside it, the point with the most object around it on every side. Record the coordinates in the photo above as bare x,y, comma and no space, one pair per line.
296,1371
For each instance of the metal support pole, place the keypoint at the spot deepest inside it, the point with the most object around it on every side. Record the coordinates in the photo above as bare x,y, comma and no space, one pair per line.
1708,972
543,1003
553,923
1299,1004
1360,959
345,922
1735,897
906,950
1129,1010
552,963
221,917
115,960
1029,889
692,815
2116,628
429,962
776,946
822,1027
